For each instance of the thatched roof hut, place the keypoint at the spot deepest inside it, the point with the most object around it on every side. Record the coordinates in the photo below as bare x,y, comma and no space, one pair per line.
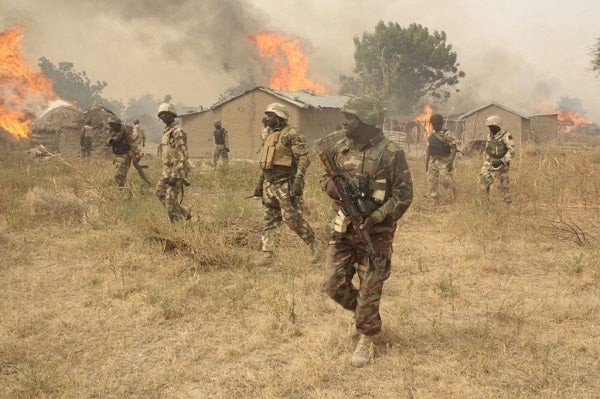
57,123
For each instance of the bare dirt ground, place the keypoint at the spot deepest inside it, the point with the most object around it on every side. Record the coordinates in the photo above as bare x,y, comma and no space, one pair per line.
483,301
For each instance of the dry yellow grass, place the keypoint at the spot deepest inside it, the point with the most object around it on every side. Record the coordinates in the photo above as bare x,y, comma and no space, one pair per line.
101,298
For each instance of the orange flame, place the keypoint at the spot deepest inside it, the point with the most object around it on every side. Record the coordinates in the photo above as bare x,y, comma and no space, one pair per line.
426,115
423,120
568,120
19,85
292,75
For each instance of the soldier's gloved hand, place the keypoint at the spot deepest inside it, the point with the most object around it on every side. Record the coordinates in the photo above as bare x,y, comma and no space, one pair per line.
332,191
496,163
171,181
258,191
367,224
297,188
450,167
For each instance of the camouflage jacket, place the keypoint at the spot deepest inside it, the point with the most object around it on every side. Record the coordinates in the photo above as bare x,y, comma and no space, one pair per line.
444,139
173,151
385,163
290,148
504,137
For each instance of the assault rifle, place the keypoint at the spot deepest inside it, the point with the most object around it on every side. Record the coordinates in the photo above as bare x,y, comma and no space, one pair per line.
352,203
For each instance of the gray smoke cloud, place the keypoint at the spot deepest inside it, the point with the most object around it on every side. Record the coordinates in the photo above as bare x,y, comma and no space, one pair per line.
519,54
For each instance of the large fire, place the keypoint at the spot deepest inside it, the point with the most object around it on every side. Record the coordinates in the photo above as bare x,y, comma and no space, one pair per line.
20,86
567,120
292,75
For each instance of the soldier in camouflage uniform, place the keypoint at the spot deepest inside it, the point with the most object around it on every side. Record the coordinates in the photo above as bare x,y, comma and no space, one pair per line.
498,152
174,154
439,157
125,148
221,143
365,155
283,162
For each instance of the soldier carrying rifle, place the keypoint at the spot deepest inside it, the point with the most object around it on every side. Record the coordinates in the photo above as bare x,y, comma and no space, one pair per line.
368,179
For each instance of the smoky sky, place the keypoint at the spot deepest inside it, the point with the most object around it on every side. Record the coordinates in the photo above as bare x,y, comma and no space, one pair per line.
521,54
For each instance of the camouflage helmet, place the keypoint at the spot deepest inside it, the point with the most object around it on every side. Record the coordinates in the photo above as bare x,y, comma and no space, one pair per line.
367,109
217,123
167,107
136,121
278,109
114,120
493,120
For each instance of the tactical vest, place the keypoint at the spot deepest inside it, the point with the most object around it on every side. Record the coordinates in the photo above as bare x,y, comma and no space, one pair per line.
375,190
438,147
495,148
120,145
274,153
219,136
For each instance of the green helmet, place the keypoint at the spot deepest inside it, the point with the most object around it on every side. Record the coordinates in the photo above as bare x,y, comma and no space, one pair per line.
367,109
114,120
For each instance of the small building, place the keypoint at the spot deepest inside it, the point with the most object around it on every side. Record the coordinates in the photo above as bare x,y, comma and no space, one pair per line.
524,129
315,115
58,130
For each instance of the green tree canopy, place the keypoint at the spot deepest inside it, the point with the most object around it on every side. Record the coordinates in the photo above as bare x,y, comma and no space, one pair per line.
596,57
71,85
403,65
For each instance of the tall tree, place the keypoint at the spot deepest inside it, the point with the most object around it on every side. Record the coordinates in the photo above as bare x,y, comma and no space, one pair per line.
596,57
403,65
74,86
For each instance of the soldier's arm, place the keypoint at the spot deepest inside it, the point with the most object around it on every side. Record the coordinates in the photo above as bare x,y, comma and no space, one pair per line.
401,194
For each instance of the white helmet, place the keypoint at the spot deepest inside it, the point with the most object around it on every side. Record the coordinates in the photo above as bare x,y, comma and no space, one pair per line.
278,109
493,120
166,107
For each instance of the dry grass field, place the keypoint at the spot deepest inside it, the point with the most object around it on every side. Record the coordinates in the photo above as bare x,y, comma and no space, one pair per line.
101,298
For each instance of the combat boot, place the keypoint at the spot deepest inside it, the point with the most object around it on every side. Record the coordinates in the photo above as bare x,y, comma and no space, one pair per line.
265,259
316,250
362,353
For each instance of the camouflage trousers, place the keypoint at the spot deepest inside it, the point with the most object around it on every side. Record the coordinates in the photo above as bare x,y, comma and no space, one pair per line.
122,163
347,256
437,174
170,197
220,152
278,208
489,175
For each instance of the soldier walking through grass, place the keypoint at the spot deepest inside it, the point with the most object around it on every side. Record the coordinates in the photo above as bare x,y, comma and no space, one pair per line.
439,158
124,147
378,169
283,162
174,154
498,152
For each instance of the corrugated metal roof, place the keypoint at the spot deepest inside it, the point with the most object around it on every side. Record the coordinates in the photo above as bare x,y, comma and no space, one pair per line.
301,99
308,98
489,104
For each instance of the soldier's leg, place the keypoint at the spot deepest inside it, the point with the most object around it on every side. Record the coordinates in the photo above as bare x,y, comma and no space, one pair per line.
503,185
122,167
368,319
433,176
340,269
293,217
174,209
485,179
271,217
225,156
